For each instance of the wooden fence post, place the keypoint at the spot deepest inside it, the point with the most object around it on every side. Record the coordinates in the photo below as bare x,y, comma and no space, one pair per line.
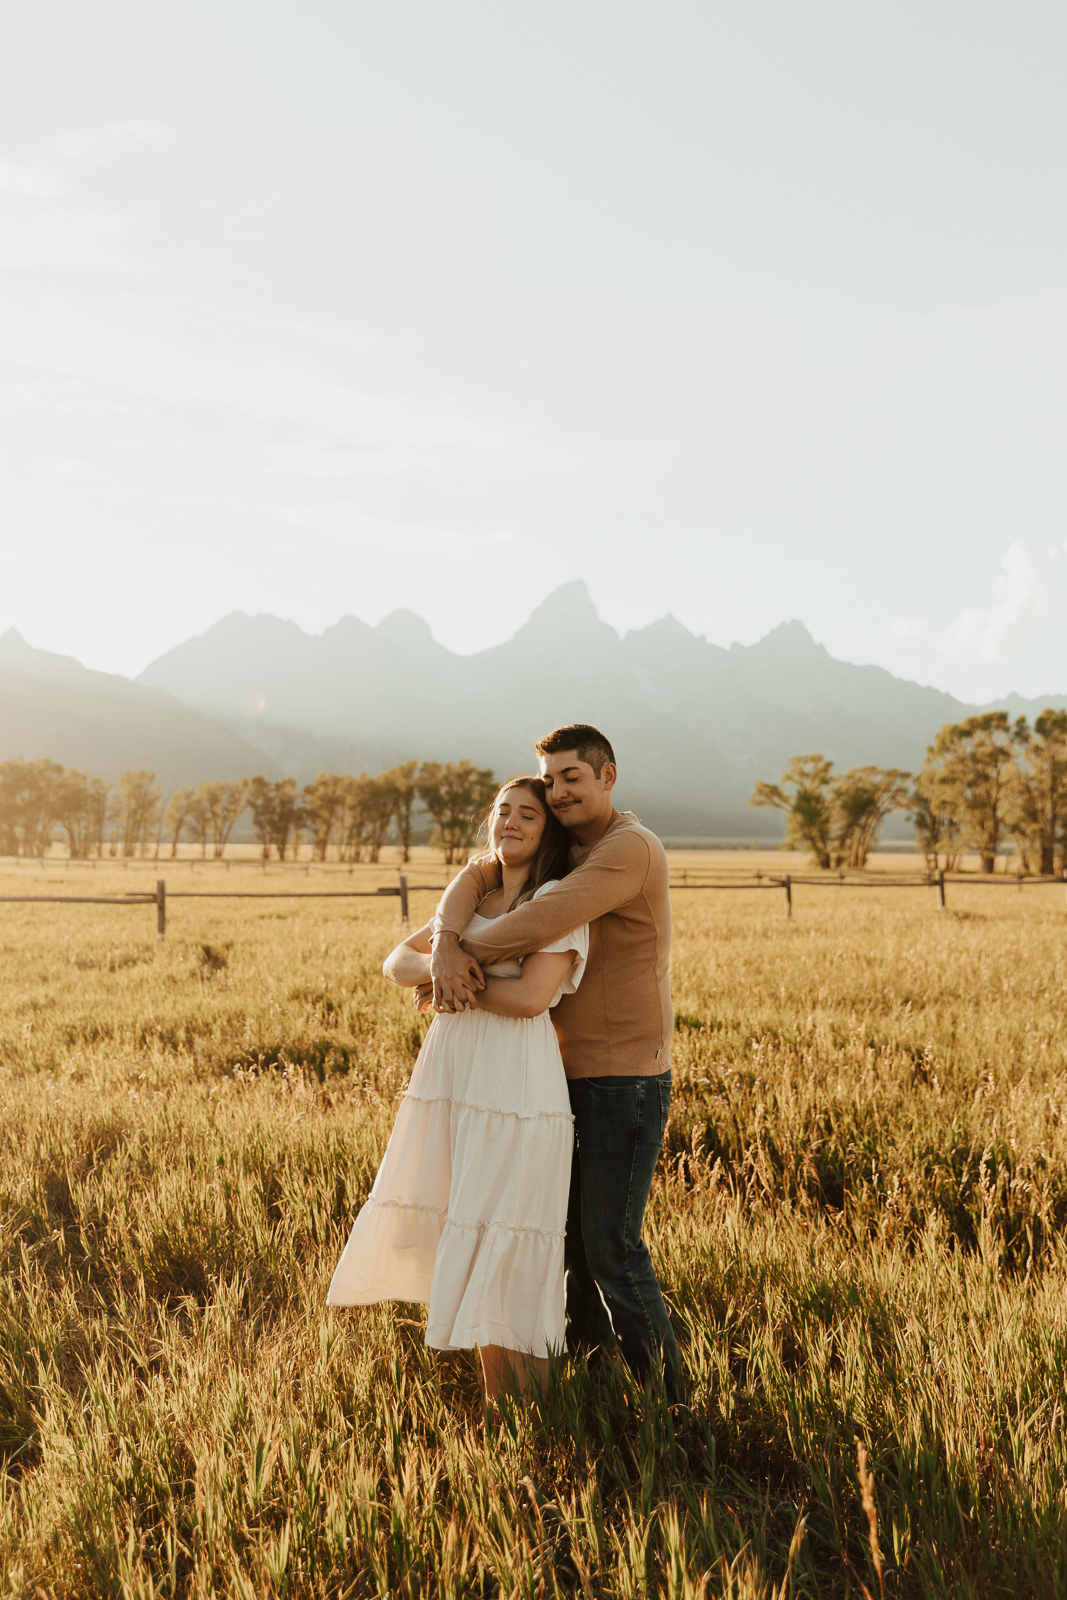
405,925
941,889
788,883
161,908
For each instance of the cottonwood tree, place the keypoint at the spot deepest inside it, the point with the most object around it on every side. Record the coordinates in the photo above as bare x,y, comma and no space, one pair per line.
178,808
805,795
197,821
323,802
862,799
1037,815
380,810
222,804
275,813
972,767
29,801
355,825
937,828
82,805
456,794
404,780
836,818
135,808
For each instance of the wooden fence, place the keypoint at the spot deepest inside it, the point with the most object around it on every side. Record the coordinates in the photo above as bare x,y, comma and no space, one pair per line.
785,882
938,881
159,899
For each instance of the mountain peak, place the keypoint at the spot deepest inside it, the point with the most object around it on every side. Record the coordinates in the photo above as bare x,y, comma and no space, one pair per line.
16,652
789,639
569,600
12,645
406,629
568,608
667,627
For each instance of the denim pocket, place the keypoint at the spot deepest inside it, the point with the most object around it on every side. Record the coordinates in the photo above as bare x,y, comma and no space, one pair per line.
664,1107
615,1085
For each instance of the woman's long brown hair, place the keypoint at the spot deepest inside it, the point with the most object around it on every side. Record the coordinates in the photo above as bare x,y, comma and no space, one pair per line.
553,858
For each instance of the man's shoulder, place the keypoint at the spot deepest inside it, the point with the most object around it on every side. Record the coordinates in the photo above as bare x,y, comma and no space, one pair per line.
631,829
628,839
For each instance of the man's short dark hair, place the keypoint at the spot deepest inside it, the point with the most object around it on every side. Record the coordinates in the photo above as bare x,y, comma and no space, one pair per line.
587,742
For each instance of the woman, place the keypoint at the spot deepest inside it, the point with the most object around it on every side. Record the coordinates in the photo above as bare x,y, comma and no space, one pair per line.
469,1207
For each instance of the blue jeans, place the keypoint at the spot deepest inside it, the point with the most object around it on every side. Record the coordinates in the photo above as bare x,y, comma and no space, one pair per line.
619,1125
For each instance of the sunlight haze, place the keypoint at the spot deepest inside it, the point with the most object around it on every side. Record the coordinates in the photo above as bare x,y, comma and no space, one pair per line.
743,314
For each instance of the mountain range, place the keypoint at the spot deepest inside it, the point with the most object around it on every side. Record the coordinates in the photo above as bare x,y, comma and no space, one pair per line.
694,724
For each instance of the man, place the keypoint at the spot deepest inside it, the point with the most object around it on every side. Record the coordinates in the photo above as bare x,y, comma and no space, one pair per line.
614,1034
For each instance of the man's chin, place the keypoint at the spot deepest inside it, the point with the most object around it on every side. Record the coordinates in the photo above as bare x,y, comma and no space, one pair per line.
571,818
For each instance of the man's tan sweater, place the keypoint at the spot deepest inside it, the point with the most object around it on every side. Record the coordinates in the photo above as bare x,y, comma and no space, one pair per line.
620,1020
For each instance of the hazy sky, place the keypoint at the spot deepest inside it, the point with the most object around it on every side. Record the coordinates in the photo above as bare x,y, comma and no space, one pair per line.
743,312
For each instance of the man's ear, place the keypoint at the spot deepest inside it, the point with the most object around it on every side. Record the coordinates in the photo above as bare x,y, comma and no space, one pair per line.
609,773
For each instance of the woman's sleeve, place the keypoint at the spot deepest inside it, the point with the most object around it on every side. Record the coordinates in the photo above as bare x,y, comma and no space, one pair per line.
578,941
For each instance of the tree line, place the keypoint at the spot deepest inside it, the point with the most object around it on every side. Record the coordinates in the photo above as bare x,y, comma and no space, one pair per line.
985,781
342,815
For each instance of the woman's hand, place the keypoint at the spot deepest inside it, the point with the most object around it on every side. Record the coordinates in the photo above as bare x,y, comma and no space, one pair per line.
457,977
424,1001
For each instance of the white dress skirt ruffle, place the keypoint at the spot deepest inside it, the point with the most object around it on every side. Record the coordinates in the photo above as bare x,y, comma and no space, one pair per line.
469,1208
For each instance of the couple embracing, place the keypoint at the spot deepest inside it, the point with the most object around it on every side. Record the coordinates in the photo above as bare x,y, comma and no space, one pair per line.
525,1144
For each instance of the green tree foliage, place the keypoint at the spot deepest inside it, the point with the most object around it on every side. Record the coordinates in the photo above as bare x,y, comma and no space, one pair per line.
354,815
836,818
937,828
804,795
1037,815
971,773
456,794
863,798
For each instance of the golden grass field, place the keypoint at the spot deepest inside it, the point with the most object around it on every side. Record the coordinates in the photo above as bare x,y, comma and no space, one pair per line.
858,1222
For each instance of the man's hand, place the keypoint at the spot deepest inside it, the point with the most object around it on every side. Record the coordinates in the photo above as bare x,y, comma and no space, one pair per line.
456,976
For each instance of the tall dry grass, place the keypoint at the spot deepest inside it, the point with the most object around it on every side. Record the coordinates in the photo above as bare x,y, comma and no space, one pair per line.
858,1222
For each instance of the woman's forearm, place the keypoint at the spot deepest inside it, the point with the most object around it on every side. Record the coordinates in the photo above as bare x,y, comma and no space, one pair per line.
508,997
407,967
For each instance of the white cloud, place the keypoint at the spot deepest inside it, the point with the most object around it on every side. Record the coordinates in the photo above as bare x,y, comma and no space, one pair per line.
27,182
1031,331
69,470
1024,605
909,627
87,148
166,352
43,224
57,238
325,458
349,524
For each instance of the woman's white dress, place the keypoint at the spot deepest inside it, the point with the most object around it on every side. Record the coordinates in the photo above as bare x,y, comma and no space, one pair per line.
469,1207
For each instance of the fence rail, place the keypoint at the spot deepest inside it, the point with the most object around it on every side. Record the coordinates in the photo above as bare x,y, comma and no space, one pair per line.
403,889
159,899
939,881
